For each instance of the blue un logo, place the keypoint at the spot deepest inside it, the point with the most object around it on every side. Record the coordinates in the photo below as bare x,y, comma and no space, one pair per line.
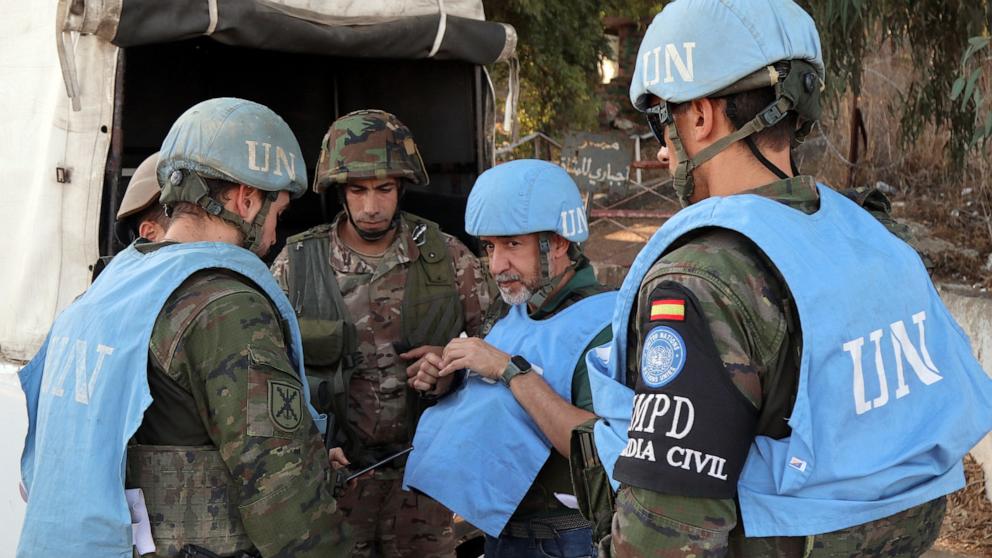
662,356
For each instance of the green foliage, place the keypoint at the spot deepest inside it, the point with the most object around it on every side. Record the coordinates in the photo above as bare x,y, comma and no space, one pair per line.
560,43
935,33
976,62
559,46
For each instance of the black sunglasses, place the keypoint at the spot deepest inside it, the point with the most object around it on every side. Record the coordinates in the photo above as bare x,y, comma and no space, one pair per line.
658,117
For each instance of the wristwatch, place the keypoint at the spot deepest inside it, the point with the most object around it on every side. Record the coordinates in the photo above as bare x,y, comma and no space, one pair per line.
517,365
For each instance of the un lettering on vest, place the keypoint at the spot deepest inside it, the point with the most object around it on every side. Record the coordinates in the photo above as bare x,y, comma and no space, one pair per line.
673,58
573,222
67,358
678,415
283,159
902,348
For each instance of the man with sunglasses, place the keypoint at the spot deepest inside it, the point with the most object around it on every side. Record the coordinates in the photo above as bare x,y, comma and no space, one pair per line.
796,386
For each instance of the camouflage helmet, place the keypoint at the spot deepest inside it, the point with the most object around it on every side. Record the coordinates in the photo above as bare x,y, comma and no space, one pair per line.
143,189
368,144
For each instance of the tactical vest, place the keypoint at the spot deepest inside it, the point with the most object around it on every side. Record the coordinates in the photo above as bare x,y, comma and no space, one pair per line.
191,498
87,391
889,396
431,315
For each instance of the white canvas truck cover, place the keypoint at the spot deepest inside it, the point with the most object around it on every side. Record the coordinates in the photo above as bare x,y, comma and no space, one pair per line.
54,147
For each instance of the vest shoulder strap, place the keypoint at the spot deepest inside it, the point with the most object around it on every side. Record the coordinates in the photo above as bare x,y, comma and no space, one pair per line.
313,290
429,239
320,231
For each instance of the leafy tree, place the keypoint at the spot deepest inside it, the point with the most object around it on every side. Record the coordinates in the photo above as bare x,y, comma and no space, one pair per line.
936,35
560,43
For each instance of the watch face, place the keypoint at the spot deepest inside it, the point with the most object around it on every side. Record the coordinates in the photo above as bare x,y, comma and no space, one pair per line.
520,362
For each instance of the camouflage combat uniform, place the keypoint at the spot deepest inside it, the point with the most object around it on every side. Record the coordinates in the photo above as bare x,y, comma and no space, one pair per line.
215,346
751,316
404,523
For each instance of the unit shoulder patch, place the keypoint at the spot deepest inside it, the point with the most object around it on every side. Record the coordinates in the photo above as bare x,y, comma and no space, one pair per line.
662,356
285,405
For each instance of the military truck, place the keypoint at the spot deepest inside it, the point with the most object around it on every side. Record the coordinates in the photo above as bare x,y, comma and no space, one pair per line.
89,88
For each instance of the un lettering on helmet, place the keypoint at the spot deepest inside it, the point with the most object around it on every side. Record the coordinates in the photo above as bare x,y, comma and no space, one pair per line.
694,49
283,160
683,65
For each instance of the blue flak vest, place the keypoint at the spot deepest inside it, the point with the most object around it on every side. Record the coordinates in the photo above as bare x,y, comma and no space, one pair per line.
87,389
889,399
477,451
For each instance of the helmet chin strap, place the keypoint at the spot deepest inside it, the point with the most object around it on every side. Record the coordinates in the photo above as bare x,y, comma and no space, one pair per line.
682,179
373,236
547,283
252,230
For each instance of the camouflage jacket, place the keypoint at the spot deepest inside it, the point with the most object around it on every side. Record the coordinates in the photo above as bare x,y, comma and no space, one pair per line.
751,317
374,297
214,347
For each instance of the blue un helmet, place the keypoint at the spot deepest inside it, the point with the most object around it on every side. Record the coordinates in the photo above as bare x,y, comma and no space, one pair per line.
236,141
528,196
714,48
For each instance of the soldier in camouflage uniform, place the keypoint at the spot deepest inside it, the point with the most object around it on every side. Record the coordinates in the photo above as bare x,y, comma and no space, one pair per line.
376,290
729,307
227,453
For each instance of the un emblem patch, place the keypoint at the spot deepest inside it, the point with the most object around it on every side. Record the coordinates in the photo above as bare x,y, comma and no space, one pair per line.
285,405
662,357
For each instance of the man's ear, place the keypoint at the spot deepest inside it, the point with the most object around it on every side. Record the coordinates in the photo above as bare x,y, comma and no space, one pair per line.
246,201
559,246
150,230
703,119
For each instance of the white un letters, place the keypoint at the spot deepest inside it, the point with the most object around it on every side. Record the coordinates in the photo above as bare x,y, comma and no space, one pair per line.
683,65
64,357
573,222
902,348
261,164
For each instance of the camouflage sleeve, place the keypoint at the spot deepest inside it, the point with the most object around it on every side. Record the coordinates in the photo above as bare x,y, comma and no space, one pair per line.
250,401
280,269
473,289
740,300
737,298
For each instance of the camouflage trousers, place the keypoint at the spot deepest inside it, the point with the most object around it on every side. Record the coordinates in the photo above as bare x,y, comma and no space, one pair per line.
388,522
641,530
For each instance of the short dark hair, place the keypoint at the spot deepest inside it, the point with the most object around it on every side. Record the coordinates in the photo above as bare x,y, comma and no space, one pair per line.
217,189
155,213
741,108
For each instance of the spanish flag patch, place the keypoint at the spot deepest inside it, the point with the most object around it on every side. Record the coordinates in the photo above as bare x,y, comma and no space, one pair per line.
668,309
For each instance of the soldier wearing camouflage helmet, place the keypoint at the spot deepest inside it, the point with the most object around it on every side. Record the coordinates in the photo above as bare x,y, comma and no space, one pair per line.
496,449
140,214
214,451
376,290
784,379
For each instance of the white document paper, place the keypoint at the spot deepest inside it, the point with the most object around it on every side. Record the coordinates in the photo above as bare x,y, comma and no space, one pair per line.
141,529
567,500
